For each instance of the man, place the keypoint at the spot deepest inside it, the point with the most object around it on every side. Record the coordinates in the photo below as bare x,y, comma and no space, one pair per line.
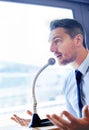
67,40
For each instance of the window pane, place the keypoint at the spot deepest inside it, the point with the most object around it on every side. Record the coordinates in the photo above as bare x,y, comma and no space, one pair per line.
24,49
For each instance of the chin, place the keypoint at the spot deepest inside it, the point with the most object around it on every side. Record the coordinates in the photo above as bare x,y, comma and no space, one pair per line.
62,63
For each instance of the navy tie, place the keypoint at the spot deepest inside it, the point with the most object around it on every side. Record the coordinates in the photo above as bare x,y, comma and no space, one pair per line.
78,80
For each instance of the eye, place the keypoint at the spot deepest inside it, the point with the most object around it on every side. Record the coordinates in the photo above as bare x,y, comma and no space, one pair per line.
57,40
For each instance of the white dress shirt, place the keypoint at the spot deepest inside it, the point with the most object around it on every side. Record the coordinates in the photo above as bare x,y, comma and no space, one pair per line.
70,88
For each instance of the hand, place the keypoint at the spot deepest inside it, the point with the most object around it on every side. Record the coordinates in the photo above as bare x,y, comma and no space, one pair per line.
21,121
72,123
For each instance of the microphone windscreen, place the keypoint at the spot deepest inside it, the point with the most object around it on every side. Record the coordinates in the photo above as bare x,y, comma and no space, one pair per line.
51,61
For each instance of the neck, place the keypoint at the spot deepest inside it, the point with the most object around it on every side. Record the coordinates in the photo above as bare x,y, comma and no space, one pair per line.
82,54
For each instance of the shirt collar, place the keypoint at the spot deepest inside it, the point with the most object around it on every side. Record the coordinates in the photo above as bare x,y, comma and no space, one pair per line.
84,67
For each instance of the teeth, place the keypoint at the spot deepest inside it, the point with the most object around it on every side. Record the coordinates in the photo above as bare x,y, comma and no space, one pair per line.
58,55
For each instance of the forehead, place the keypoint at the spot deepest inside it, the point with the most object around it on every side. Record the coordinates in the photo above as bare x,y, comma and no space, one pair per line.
58,32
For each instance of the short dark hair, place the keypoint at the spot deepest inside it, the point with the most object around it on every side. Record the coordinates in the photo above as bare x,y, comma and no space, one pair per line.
71,26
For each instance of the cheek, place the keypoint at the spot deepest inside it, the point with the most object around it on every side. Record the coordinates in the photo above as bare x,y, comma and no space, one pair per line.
68,49
64,48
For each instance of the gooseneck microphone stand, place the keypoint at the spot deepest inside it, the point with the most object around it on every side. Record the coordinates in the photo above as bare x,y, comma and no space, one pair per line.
36,121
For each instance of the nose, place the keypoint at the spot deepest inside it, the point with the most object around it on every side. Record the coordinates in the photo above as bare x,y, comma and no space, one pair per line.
53,47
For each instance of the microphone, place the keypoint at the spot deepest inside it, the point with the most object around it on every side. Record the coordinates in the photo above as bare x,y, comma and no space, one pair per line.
36,121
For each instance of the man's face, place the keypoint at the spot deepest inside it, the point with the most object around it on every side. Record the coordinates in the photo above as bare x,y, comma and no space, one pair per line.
63,46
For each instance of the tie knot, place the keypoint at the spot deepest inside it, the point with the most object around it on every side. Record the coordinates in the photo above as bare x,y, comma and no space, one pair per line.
78,75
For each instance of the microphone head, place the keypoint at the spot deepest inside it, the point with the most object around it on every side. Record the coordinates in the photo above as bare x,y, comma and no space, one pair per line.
51,61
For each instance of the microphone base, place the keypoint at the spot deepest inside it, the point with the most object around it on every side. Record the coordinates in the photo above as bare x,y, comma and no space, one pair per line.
37,122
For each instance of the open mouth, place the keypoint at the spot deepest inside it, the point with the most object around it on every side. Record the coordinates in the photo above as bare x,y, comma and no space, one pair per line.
59,55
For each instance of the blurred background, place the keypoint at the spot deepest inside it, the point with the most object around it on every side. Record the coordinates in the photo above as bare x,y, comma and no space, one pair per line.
24,49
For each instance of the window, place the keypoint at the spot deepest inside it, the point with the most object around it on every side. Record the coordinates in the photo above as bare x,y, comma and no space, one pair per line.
24,49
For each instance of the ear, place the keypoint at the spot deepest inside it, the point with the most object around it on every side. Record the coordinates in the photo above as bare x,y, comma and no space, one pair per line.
79,39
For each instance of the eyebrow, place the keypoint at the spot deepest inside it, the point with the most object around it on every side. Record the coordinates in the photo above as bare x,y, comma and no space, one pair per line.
50,39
